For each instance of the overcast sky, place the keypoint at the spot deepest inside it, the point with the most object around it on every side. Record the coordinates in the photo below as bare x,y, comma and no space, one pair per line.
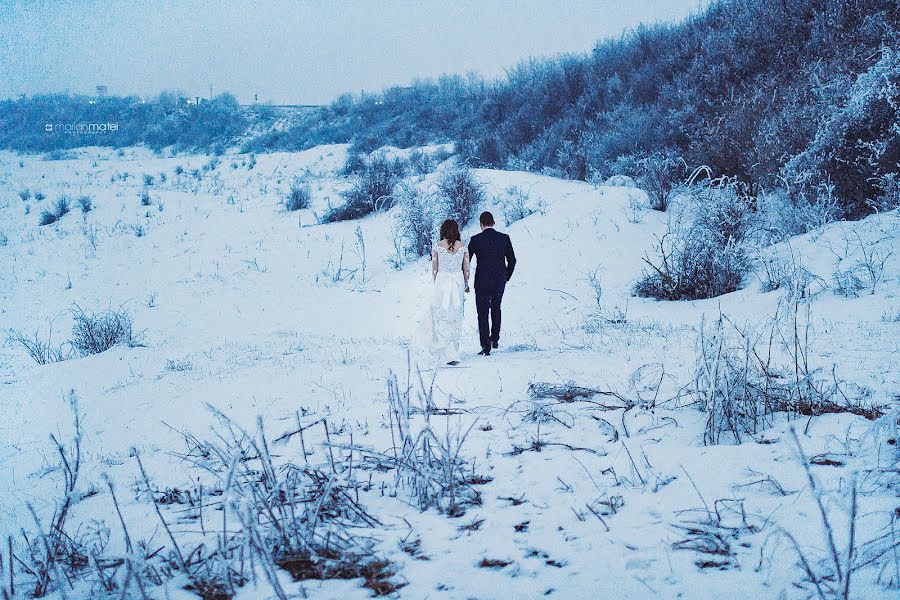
292,52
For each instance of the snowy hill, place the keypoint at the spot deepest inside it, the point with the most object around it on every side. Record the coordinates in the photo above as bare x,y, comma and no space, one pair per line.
258,312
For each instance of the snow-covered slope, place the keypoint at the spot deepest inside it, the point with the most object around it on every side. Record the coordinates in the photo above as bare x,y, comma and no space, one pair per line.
260,312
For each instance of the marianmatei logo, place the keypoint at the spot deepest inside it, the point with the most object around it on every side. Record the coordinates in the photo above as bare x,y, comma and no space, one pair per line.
82,128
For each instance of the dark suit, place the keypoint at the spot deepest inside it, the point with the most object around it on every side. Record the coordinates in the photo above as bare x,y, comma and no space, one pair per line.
494,265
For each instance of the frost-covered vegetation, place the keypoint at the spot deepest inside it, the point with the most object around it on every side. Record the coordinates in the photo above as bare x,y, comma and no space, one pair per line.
740,88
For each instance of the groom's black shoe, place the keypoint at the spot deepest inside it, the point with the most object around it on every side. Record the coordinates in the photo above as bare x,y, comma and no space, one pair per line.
485,352
494,344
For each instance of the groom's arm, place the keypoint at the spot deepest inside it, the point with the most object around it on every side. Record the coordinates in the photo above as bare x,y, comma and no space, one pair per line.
510,259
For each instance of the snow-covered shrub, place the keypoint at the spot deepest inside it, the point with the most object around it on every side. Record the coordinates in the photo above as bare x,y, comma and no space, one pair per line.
145,198
636,205
148,179
40,350
741,379
429,461
354,164
94,333
780,215
38,196
707,258
86,204
179,170
517,205
620,181
462,193
47,218
371,191
858,143
415,222
61,207
778,273
25,195
659,173
848,283
421,162
853,277
3,239
888,198
298,197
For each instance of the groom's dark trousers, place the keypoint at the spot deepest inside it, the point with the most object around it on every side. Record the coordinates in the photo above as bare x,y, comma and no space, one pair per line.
494,265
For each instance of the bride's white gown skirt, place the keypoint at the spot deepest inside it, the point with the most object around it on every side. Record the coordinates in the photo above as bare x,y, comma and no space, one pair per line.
440,326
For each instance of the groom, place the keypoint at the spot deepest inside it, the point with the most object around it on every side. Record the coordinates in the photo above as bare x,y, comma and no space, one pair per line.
495,261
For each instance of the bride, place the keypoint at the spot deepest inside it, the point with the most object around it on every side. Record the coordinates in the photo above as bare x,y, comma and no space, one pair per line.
439,333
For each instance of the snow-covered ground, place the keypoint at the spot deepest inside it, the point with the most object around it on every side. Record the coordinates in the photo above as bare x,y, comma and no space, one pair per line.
261,312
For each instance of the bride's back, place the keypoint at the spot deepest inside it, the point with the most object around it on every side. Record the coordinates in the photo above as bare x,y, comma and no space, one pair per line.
449,261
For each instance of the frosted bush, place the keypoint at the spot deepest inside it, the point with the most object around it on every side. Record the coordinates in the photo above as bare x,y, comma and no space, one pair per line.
620,181
517,205
94,333
659,174
298,197
708,258
415,222
372,190
462,194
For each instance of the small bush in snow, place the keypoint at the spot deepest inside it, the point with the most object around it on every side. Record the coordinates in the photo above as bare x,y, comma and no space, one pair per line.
41,351
252,163
372,190
862,275
659,174
182,364
298,197
781,215
94,333
145,198
463,194
778,273
620,181
354,164
86,204
38,196
47,218
415,223
148,180
138,229
420,162
707,259
179,170
61,207
742,380
25,195
889,198
517,205
3,239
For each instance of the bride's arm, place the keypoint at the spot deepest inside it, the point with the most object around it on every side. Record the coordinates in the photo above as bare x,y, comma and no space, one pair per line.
465,267
434,265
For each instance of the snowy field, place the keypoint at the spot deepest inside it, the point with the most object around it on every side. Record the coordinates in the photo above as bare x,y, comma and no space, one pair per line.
246,309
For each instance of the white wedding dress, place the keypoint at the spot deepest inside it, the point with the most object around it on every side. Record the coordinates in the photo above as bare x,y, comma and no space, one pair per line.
440,325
